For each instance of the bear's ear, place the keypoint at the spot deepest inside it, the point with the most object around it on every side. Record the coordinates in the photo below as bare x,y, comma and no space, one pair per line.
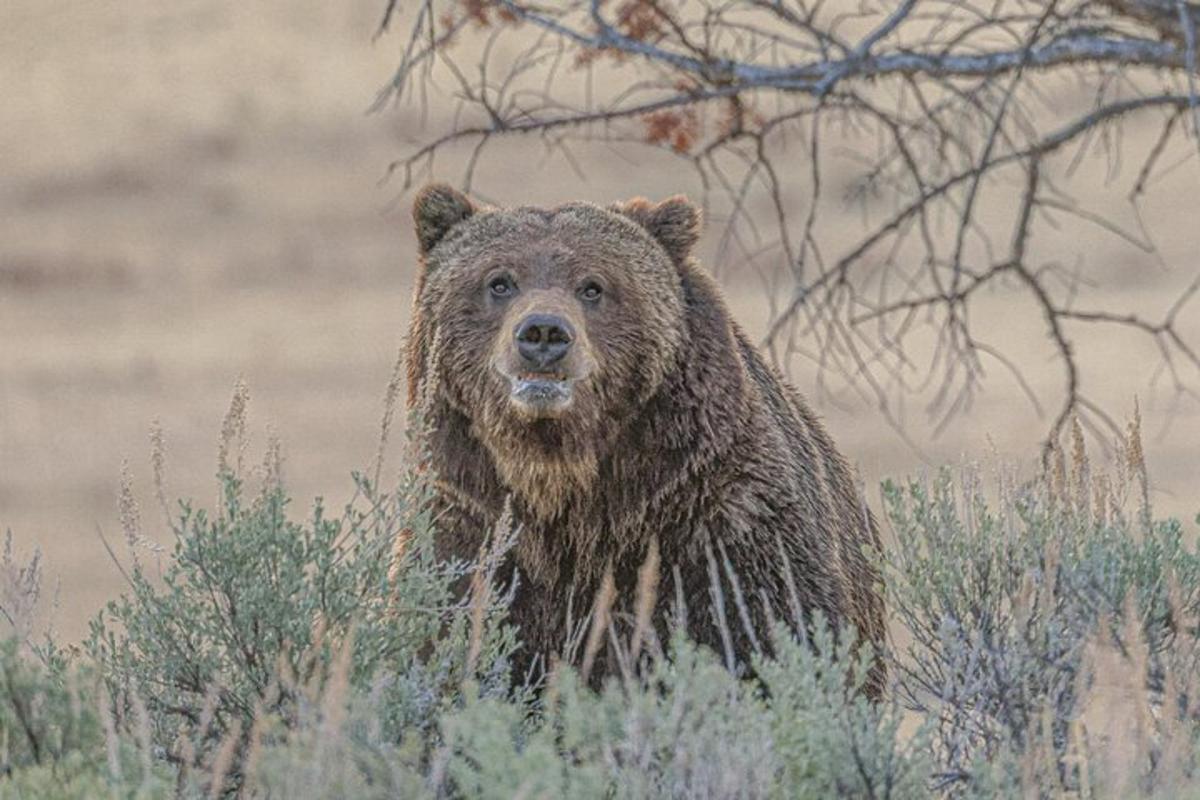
436,210
674,223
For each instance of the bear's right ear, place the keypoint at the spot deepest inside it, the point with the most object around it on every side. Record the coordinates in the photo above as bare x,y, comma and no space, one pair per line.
674,223
436,210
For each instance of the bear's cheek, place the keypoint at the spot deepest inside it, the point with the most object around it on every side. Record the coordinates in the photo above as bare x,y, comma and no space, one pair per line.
467,335
627,350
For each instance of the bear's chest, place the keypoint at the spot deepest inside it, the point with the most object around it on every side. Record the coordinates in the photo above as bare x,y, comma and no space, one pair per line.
575,548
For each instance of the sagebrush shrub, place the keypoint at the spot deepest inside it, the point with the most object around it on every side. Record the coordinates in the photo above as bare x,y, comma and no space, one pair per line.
1045,644
1004,614
253,608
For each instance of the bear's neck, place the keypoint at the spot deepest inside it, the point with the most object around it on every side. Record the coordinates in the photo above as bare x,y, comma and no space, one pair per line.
548,486
546,466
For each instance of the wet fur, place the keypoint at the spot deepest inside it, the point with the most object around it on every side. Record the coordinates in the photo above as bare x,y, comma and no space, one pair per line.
687,434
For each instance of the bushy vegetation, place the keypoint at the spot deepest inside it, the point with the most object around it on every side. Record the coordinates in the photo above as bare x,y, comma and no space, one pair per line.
1050,641
1044,643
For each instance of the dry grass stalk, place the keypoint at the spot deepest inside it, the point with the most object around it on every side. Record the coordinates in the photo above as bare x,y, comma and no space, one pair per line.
553,676
1135,458
739,599
490,553
233,431
1115,707
1049,583
272,466
1080,468
422,401
75,696
970,483
619,654
575,629
186,753
1039,761
310,661
399,550
158,462
224,760
285,675
1103,501
129,513
208,712
680,615
601,609
337,691
20,589
1077,757
481,592
717,594
254,743
391,397
144,738
112,744
645,599
789,578
1138,653
1023,603
1058,473
1179,685
189,742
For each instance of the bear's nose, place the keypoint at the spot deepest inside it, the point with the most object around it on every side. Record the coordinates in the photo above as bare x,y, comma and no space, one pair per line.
543,339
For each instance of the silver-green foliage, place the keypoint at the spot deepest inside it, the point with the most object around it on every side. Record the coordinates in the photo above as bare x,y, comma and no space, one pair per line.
312,658
253,607
1005,611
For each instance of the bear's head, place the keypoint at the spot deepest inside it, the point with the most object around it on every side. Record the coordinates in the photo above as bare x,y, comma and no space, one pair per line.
547,328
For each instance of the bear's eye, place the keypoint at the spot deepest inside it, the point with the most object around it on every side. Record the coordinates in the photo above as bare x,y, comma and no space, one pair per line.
591,291
501,286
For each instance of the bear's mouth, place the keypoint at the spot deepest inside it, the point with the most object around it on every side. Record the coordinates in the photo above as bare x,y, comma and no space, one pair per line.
541,394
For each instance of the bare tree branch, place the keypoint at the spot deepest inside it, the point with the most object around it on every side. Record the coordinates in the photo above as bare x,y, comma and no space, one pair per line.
948,110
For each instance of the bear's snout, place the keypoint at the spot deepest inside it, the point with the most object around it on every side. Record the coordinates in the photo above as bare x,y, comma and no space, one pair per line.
543,340
542,352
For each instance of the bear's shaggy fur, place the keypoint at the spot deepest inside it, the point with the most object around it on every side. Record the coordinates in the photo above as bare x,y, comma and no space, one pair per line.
662,424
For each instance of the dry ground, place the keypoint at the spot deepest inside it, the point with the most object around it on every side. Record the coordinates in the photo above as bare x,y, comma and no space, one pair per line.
191,192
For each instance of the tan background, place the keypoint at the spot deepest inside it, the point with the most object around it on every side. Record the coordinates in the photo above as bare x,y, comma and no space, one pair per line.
190,192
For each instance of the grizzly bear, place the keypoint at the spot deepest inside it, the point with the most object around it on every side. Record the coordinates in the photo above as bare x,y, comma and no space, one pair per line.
576,366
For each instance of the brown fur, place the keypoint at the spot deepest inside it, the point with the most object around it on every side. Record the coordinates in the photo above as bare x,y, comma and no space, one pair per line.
676,429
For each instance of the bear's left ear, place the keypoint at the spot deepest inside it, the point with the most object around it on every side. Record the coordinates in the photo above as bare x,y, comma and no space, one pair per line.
674,223
436,210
